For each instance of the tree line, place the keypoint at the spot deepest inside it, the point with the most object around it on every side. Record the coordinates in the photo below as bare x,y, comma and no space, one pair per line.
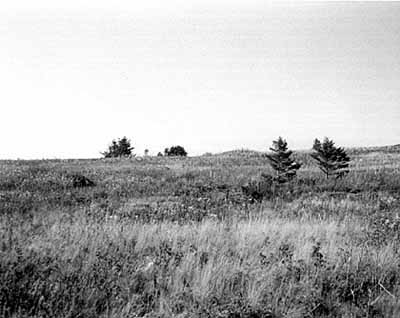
331,160
123,148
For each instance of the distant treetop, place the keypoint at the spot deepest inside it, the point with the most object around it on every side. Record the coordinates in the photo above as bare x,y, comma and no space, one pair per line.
175,151
120,148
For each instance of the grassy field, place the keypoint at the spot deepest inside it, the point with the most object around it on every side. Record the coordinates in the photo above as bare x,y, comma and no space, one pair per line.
177,237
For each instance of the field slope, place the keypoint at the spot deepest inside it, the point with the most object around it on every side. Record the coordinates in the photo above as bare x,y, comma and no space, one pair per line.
177,237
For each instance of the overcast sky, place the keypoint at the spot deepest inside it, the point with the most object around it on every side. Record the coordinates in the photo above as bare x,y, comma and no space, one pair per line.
208,75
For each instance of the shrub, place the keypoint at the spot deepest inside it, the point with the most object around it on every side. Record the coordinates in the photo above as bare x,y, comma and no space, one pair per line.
282,162
259,188
120,148
332,160
175,151
80,181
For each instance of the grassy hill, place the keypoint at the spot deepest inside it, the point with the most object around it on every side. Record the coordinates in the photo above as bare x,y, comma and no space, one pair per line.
394,149
177,237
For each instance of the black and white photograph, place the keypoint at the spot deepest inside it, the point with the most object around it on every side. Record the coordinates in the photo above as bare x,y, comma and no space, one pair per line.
199,159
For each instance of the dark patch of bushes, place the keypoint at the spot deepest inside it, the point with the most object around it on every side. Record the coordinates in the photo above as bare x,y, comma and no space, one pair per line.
80,181
260,188
175,151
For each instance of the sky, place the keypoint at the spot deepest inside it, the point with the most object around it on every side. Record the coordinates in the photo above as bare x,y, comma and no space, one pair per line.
211,76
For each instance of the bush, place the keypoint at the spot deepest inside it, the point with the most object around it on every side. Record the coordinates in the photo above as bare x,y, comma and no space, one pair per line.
175,151
260,188
120,148
80,181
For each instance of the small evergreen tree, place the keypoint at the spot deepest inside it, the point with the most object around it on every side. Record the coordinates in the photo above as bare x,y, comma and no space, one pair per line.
282,162
332,160
175,151
120,148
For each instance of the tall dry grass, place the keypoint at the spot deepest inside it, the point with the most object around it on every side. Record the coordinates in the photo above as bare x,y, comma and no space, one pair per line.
60,265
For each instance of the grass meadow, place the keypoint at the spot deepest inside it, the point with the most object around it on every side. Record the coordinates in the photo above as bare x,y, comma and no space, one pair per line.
177,237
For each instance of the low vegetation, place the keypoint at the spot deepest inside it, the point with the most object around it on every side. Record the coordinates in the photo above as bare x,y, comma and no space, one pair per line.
209,236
